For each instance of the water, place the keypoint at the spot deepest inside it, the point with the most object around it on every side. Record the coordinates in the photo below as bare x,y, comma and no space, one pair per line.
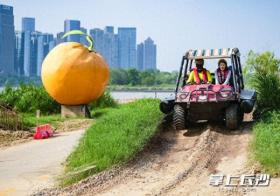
123,96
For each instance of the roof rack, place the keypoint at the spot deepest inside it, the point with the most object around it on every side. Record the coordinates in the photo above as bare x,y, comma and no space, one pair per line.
212,53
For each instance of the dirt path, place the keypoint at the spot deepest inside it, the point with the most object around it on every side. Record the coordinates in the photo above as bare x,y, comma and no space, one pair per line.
184,168
27,167
180,163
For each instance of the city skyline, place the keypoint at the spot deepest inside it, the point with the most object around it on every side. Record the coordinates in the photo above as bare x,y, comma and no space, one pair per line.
176,26
28,47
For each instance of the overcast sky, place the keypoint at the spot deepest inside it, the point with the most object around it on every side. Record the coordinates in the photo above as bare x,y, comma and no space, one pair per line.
174,25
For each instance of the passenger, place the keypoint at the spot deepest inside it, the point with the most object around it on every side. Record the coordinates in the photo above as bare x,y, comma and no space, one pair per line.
222,74
199,75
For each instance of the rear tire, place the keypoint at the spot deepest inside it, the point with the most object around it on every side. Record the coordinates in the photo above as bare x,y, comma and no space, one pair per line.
233,116
179,119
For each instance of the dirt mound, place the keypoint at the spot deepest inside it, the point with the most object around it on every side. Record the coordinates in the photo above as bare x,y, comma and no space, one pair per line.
8,138
176,163
73,124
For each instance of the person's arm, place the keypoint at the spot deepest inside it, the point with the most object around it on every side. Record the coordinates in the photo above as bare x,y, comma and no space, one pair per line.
228,78
216,77
190,79
209,77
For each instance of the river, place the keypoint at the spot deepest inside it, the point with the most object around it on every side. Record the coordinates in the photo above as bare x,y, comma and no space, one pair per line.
124,96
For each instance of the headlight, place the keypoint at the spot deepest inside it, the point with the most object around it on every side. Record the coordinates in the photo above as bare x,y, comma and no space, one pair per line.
225,94
183,96
202,97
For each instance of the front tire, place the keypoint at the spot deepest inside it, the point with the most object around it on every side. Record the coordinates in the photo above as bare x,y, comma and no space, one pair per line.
179,119
233,116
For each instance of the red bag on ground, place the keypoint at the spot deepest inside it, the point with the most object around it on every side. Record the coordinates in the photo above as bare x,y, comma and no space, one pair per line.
43,132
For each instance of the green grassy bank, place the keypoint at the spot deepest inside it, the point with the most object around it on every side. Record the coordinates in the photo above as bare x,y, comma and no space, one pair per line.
115,138
266,142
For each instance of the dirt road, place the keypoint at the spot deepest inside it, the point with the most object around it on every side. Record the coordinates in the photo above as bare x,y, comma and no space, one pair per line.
180,163
184,167
34,165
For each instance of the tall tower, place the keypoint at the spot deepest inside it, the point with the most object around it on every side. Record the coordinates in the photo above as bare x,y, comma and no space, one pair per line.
28,24
127,47
70,25
7,40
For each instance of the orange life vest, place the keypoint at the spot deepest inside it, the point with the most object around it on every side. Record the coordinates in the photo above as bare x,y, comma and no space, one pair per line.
196,76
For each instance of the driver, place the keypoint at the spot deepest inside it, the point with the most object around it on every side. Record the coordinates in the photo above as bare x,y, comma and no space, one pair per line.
199,75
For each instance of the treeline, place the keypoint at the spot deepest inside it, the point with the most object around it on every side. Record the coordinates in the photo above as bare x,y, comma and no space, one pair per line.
133,77
17,80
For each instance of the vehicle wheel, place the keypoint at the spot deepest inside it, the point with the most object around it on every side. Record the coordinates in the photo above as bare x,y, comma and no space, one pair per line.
179,120
233,116
165,107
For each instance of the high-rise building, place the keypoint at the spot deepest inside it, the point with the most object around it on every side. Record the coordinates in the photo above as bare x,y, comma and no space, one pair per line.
70,25
30,53
59,38
19,55
98,38
30,46
43,47
83,39
28,24
127,47
7,40
146,55
150,53
140,56
106,43
110,50
109,29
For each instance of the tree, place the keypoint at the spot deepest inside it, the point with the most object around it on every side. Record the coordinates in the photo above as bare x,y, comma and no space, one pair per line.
133,77
119,77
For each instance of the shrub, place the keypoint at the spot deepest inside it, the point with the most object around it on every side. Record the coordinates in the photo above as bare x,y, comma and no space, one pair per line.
106,100
264,73
29,98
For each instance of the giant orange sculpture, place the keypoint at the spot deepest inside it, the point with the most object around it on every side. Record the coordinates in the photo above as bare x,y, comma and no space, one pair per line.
73,74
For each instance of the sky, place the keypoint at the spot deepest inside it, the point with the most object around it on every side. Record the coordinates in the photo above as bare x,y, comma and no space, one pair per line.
176,26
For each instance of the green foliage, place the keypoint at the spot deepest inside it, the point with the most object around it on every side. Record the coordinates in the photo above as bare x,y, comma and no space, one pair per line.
106,100
266,143
148,78
17,80
262,74
133,77
29,98
115,137
30,120
119,76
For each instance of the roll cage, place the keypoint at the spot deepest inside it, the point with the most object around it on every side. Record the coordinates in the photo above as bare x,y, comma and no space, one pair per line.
227,53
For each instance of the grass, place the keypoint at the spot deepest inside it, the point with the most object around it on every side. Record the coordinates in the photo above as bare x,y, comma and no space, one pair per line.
30,120
115,138
266,143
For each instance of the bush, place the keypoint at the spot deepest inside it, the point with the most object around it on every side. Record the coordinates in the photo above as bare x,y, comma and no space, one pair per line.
106,100
263,75
29,98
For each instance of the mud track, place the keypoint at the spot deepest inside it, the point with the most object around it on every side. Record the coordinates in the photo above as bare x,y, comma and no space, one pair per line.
183,161
179,163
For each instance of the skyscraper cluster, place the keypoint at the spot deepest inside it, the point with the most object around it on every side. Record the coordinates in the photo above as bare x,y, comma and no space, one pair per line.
22,52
